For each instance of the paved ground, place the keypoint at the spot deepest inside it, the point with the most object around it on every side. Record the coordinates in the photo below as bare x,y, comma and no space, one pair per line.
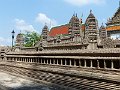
9,82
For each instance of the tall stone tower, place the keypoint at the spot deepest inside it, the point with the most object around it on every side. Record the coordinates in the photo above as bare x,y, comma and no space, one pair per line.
45,32
91,31
19,40
44,35
74,28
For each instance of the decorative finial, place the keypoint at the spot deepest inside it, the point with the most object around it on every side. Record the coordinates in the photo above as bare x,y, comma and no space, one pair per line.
102,24
45,23
90,11
119,4
82,15
76,14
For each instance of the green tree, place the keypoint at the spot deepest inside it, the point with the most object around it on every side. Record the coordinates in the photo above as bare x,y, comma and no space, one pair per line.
31,39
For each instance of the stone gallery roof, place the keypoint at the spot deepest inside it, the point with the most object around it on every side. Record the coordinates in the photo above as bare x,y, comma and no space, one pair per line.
85,51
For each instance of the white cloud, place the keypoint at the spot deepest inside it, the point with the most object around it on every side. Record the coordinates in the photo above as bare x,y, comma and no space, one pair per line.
23,26
43,18
5,41
85,2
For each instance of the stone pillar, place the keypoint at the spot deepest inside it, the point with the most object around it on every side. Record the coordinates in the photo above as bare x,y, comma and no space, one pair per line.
41,60
27,59
112,66
16,59
31,59
44,60
70,62
104,64
61,62
85,63
98,64
65,62
47,60
91,63
57,61
36,60
79,63
19,59
53,61
50,61
74,62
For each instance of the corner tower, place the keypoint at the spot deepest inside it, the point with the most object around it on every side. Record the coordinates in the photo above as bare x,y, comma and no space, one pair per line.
45,32
102,32
19,40
74,28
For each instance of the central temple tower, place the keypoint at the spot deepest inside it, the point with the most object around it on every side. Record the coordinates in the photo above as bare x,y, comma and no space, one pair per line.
91,31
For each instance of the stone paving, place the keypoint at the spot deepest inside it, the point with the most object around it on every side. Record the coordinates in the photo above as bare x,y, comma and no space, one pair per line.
9,82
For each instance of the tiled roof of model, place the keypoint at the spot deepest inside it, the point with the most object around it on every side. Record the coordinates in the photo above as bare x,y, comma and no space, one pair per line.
111,28
83,27
63,29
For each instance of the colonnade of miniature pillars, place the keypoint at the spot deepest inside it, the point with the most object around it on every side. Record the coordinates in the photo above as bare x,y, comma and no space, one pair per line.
112,64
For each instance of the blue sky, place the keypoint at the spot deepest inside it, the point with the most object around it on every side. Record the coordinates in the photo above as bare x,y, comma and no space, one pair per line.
31,15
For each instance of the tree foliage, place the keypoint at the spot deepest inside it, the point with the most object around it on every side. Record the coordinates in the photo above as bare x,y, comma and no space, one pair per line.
31,38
